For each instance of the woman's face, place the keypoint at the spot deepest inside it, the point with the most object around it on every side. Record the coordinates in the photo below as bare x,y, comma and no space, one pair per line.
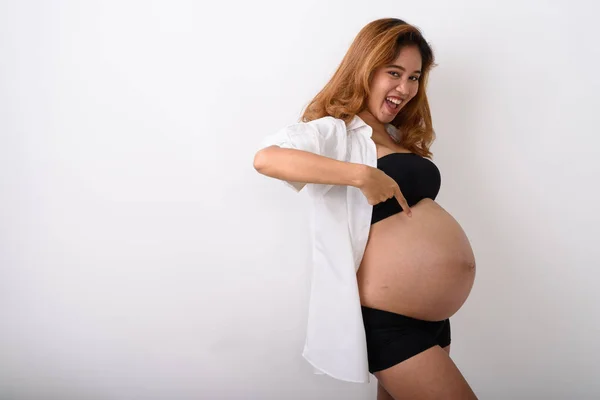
394,85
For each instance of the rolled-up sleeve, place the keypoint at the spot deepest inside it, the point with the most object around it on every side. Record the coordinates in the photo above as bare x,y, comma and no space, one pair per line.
324,136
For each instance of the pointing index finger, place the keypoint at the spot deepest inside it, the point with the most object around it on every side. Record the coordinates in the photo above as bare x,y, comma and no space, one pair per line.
402,201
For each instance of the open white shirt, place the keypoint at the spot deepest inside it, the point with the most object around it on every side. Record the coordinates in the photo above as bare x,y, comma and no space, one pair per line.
341,220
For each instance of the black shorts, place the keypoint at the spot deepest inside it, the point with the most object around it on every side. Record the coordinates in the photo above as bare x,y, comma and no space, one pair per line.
393,338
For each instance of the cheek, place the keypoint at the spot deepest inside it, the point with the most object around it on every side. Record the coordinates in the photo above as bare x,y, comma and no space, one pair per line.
414,91
380,87
376,95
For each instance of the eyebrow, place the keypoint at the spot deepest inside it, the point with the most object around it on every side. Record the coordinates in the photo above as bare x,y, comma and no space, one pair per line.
418,71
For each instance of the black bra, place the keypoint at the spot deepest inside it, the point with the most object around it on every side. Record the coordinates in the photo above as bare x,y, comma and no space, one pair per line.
418,178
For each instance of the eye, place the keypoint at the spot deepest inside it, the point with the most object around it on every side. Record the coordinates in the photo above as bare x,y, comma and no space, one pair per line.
395,74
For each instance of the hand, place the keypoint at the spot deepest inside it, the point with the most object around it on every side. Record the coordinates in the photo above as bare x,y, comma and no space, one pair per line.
377,187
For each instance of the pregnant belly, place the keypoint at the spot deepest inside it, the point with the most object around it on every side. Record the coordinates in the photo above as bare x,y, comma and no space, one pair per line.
422,267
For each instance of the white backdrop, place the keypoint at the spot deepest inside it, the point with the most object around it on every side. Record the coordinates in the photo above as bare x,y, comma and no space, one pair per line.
142,257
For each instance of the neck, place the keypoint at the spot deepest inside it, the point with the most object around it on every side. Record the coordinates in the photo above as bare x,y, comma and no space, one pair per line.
380,134
370,120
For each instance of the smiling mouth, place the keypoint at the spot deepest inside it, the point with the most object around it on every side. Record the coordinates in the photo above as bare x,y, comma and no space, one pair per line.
393,104
394,100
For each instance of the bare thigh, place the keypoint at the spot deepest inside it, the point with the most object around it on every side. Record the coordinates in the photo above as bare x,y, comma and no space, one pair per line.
383,394
428,375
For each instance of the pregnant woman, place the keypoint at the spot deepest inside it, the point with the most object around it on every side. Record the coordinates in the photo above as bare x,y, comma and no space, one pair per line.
391,266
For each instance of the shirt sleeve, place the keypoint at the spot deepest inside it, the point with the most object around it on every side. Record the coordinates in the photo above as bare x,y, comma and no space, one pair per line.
325,136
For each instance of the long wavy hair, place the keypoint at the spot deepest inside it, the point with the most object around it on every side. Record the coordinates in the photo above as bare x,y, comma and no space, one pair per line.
346,94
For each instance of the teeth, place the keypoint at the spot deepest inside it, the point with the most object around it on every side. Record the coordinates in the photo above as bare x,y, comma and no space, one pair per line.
395,101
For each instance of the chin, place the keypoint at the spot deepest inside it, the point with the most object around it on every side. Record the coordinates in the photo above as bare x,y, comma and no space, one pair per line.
386,119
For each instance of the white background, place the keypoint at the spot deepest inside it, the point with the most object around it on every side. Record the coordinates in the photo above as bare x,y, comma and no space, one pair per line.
142,257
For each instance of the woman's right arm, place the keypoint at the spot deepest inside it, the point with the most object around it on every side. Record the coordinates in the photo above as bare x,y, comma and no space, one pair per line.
301,166
312,153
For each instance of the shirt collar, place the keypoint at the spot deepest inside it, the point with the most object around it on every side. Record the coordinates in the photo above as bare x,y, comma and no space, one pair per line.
358,123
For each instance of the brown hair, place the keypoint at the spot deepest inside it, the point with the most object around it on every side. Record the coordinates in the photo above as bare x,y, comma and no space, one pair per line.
346,93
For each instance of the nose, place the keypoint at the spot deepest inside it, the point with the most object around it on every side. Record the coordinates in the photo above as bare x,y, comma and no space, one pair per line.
402,88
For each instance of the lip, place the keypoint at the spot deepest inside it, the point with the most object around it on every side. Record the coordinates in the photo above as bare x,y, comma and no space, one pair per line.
390,110
396,98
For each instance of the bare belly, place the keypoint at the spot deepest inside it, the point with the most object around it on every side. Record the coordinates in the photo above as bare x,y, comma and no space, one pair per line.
422,267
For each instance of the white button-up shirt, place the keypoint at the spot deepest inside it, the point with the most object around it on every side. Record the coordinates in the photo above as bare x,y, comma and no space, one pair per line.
341,220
